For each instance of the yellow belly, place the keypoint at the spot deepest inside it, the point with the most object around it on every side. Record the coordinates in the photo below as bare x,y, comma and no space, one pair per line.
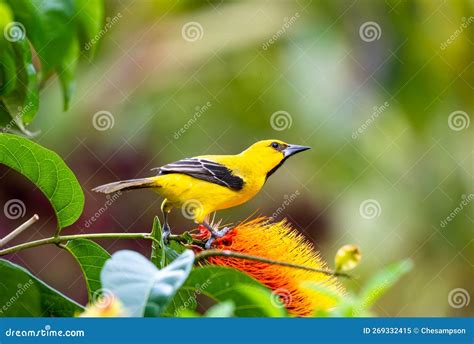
199,198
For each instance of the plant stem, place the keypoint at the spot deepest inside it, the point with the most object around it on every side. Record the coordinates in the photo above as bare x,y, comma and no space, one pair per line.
226,253
200,256
60,239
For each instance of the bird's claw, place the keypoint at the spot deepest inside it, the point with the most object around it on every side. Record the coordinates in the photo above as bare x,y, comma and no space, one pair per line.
209,242
166,233
215,234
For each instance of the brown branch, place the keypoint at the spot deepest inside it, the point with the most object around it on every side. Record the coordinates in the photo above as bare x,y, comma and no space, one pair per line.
226,253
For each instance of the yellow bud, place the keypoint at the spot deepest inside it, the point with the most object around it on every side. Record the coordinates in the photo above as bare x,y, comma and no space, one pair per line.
347,257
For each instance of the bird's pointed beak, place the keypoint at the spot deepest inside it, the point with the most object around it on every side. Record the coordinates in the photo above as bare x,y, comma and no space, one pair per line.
293,149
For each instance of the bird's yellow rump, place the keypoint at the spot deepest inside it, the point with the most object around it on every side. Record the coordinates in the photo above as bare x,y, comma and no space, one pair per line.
207,183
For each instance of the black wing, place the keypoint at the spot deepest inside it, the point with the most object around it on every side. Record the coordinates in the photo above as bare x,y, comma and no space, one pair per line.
203,169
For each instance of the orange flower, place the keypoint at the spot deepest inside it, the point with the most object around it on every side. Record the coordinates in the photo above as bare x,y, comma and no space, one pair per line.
279,241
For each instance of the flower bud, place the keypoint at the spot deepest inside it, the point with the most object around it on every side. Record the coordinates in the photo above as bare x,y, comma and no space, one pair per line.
347,257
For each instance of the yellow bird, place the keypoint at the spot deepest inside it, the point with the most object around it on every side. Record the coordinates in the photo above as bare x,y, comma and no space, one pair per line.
207,183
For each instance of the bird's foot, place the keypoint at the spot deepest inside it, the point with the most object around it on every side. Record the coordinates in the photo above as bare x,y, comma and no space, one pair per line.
166,233
215,234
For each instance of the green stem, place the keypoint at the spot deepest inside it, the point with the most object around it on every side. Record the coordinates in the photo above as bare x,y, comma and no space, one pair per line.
200,256
60,239
226,253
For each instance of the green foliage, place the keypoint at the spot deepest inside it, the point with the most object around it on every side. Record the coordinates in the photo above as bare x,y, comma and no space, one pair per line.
168,285
359,305
383,281
221,310
91,257
224,284
141,286
57,30
20,98
260,299
48,172
158,254
89,21
23,295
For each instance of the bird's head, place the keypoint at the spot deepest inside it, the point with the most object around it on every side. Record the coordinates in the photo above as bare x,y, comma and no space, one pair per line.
269,155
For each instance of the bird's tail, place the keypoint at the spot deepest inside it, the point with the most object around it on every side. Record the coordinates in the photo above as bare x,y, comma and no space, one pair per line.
125,185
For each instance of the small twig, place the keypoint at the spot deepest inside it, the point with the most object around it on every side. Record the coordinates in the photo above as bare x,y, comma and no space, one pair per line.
226,253
60,239
18,230
200,256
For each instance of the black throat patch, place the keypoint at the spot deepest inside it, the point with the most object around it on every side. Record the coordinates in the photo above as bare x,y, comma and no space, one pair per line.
273,170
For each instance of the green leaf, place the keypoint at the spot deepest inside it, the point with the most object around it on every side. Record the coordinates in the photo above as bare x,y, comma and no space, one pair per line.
18,82
186,313
221,310
91,258
67,71
8,75
268,304
172,251
7,61
141,286
57,29
23,102
220,284
90,14
48,172
158,255
381,282
6,15
50,27
24,295
7,69
5,120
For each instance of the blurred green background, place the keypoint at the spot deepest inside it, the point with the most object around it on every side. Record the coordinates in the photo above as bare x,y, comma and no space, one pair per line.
381,90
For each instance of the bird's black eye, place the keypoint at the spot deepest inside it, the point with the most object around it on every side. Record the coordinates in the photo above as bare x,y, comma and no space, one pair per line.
275,145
